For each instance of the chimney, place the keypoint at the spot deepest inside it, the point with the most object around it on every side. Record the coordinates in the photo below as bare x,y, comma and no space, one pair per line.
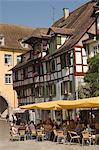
66,12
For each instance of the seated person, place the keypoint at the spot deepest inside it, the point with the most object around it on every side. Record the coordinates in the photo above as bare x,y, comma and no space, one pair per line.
71,125
22,131
14,129
88,128
49,130
31,126
79,128
22,127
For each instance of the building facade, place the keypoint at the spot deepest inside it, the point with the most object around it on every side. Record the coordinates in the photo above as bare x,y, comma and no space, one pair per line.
11,47
57,62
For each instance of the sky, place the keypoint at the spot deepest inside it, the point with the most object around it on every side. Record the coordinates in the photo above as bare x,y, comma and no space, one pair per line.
35,13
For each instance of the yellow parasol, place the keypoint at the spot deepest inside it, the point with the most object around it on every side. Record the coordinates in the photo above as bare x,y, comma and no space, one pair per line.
52,105
80,103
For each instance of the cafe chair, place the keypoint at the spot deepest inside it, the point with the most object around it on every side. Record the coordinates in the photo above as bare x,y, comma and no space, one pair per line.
74,136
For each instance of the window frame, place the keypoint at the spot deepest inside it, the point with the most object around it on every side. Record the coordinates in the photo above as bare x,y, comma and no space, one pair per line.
25,73
63,61
24,45
66,87
37,91
58,40
48,68
52,89
8,78
2,41
7,57
18,56
52,65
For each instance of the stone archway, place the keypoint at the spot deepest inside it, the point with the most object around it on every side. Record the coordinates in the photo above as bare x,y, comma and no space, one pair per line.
3,107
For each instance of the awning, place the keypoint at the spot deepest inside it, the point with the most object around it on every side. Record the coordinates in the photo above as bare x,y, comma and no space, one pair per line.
18,110
80,103
65,104
52,105
29,106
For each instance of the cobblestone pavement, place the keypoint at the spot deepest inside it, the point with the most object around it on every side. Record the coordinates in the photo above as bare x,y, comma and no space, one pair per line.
4,130
32,145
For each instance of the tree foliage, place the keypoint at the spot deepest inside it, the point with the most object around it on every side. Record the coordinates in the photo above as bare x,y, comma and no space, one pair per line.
91,87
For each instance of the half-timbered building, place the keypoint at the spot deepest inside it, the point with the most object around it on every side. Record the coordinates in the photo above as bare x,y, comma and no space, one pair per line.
57,62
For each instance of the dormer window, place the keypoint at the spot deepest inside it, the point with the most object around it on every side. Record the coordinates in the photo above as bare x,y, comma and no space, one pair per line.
24,45
61,39
1,40
58,39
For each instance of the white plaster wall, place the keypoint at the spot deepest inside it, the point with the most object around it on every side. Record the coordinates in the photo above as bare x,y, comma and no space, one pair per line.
86,36
85,69
58,60
92,29
83,38
63,38
78,68
78,58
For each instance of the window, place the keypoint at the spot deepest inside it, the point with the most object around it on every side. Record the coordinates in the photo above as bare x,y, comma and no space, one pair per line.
33,90
96,49
53,65
68,59
46,94
66,87
25,73
58,40
63,88
19,94
40,69
24,45
16,75
37,91
18,59
48,66
41,91
8,78
22,93
52,88
1,41
52,46
63,61
34,67
7,58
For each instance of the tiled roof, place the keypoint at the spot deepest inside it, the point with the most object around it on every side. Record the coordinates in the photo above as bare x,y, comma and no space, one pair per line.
13,33
80,20
78,23
63,31
31,39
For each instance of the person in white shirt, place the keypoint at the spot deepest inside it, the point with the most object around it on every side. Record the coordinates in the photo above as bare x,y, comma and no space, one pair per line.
14,129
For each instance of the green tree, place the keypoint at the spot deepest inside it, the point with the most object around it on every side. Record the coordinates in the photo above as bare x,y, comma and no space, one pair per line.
84,91
91,79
